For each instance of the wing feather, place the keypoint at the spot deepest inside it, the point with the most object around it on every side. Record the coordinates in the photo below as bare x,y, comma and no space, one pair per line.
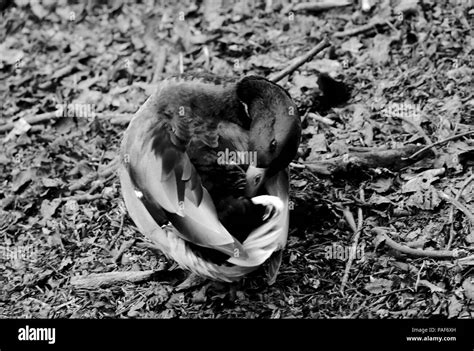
164,174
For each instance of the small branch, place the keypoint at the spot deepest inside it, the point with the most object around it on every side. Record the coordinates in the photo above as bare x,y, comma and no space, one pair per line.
31,120
319,6
349,219
102,280
357,230
157,49
297,165
417,127
418,276
160,62
360,214
440,142
300,61
358,30
458,204
124,247
321,119
464,186
467,261
122,119
393,159
451,212
83,182
82,197
99,178
110,168
392,27
50,116
440,254
119,231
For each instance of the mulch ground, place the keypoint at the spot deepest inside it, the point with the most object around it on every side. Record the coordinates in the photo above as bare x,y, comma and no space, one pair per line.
410,79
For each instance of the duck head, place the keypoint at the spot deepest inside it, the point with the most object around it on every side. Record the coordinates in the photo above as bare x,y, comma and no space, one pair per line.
275,129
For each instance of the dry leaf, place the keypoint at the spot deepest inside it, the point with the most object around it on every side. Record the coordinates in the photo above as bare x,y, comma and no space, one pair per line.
454,307
352,45
22,178
422,181
406,6
379,286
379,52
382,185
331,67
431,286
424,199
468,286
317,144
38,9
48,208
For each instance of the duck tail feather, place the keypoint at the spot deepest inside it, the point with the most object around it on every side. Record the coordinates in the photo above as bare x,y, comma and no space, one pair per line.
272,266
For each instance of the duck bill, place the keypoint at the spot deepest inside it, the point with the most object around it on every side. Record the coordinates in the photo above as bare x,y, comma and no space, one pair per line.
255,178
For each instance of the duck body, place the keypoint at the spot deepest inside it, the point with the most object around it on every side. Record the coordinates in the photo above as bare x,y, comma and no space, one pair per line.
186,159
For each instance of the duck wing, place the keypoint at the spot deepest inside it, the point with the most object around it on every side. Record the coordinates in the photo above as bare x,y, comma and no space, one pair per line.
155,158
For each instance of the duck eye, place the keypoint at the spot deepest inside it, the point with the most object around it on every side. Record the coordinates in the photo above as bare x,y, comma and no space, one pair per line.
273,145
257,179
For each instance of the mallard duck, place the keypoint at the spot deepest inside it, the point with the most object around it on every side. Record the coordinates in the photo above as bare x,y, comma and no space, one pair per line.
210,157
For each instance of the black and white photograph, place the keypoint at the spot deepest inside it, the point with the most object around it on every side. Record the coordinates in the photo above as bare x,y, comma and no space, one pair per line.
309,161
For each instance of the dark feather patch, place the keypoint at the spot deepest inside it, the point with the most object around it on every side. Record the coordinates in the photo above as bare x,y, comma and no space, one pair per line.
240,216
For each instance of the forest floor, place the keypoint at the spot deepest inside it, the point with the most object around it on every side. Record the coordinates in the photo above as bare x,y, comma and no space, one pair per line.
72,75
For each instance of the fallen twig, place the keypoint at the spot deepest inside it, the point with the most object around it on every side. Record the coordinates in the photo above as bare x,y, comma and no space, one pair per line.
320,118
124,247
98,178
318,6
417,127
427,147
119,231
31,120
49,116
300,61
362,29
458,205
160,62
357,230
82,197
122,119
349,219
101,280
297,165
393,159
392,27
83,182
360,214
418,275
110,168
439,254
467,261
451,212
